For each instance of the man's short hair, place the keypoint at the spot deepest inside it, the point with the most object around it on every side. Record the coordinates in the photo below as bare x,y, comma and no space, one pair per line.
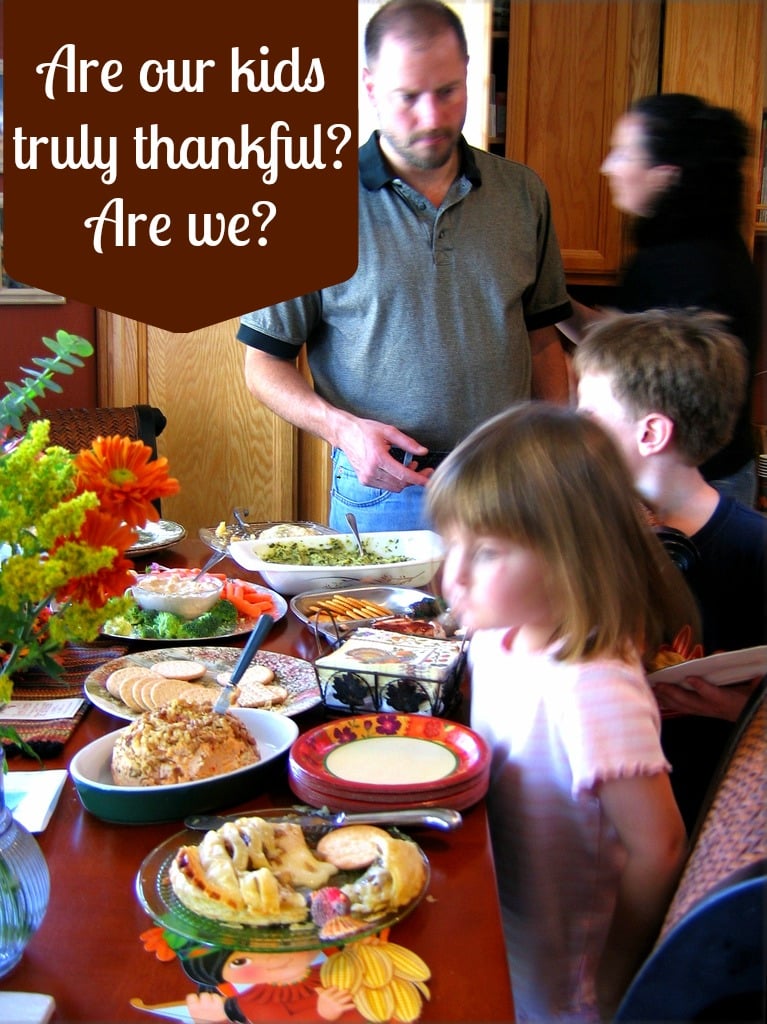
412,20
681,363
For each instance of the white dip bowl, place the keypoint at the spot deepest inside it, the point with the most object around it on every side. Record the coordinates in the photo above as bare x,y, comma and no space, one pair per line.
177,593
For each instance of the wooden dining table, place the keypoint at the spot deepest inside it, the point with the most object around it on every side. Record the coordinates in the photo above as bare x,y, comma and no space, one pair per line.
89,954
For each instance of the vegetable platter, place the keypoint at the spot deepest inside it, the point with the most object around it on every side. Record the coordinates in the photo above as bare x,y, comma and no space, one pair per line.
236,612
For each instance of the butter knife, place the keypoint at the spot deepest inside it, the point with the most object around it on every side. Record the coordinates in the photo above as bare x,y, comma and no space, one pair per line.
255,640
443,818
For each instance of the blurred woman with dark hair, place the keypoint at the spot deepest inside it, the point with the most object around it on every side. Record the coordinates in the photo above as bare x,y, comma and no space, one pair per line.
676,167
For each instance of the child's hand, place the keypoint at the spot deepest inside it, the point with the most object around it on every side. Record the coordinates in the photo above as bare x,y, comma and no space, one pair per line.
207,1008
704,698
332,1002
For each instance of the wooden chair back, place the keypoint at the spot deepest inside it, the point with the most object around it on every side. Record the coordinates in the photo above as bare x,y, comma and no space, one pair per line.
708,963
75,428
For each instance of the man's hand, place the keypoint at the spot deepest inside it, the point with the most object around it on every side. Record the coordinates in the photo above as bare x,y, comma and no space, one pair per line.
279,385
366,445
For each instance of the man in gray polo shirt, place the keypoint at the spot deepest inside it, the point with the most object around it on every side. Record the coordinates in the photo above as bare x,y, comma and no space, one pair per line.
450,315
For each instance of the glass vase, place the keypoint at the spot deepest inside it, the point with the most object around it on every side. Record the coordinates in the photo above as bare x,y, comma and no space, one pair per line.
25,884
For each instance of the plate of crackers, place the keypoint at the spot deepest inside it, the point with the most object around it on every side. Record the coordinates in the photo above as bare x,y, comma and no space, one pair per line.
337,613
125,687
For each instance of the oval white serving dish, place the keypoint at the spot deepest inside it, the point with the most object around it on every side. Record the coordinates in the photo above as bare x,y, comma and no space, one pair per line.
421,555
139,805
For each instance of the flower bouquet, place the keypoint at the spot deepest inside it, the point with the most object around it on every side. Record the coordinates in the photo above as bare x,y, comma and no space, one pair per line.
66,521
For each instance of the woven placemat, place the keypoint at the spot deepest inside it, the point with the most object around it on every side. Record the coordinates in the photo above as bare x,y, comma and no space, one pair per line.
77,661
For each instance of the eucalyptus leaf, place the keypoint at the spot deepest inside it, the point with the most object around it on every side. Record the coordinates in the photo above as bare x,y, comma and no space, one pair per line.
67,352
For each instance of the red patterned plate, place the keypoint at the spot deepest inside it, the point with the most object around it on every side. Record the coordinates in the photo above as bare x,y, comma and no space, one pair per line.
390,753
385,794
334,800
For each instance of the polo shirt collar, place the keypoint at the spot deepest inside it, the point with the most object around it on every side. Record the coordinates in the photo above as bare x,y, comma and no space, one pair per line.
376,174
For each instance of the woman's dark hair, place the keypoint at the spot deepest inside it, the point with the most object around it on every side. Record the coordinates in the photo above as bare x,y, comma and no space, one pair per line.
708,144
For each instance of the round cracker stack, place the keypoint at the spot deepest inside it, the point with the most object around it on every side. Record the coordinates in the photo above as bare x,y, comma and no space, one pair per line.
114,679
143,688
122,681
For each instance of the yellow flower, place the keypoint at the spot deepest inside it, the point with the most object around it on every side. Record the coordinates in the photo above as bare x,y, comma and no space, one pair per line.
65,524
101,533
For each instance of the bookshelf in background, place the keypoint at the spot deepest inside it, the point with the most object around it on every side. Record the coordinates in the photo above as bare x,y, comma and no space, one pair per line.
759,395
499,74
761,206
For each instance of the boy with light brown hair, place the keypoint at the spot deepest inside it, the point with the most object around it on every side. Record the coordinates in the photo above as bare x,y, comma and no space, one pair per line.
668,385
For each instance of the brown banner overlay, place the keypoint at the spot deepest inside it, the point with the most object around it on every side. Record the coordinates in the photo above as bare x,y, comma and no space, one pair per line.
180,163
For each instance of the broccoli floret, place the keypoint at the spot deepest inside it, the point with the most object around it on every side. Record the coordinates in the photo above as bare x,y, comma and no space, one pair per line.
169,626
148,625
119,626
199,628
151,625
145,626
226,613
222,618
139,619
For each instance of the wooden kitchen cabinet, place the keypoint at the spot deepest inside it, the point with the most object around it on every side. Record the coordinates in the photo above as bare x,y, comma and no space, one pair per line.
713,48
573,69
224,447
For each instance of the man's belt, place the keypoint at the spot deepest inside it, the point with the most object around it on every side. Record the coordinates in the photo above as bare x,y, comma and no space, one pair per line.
429,461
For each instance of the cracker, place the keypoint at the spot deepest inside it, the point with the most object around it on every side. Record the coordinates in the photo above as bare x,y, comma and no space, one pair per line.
178,668
126,695
136,691
196,694
166,690
353,846
120,684
256,695
253,674
347,608
117,675
142,690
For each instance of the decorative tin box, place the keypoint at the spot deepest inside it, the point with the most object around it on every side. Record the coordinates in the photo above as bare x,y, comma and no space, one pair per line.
375,670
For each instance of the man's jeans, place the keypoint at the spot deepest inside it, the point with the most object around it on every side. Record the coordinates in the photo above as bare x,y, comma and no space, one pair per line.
377,511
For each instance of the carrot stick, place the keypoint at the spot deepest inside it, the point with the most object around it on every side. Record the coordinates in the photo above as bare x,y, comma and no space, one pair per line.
247,600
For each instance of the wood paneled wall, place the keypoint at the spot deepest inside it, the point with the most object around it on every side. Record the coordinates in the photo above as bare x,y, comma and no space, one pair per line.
224,447
714,50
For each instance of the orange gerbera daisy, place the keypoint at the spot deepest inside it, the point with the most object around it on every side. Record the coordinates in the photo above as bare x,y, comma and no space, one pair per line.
155,941
98,531
125,477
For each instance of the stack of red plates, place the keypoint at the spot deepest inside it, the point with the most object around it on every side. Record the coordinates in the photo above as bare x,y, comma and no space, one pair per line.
389,760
